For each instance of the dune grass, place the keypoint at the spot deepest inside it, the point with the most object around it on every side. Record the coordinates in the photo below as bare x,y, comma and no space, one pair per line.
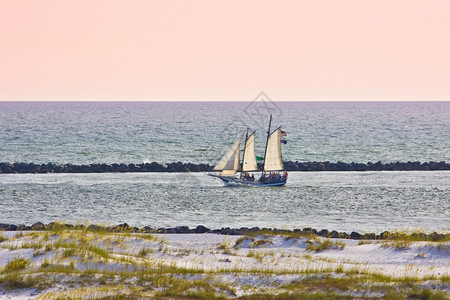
405,234
324,244
99,264
16,264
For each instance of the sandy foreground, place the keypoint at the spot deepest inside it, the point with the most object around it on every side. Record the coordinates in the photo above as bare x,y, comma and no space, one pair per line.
71,263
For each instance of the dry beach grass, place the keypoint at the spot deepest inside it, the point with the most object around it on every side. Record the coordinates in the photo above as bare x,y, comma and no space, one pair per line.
96,264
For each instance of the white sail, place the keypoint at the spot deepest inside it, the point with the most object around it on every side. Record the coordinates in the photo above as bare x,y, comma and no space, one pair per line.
249,161
273,160
229,163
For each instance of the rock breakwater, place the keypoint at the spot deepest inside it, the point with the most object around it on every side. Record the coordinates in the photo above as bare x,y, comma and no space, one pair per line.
307,231
19,167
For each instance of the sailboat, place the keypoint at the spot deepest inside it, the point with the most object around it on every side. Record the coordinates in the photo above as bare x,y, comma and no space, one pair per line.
230,163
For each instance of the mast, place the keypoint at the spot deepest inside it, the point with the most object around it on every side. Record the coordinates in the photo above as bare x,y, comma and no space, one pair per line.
267,141
243,156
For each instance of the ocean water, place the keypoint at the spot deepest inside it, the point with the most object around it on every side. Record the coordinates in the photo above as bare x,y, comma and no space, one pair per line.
347,201
83,133
197,132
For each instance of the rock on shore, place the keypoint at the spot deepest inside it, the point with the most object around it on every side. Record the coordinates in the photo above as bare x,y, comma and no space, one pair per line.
223,231
19,167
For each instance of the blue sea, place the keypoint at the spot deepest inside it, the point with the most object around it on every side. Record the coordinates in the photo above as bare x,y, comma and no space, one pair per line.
201,132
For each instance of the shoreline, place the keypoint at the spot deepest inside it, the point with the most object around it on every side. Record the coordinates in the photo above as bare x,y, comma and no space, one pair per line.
200,229
24,168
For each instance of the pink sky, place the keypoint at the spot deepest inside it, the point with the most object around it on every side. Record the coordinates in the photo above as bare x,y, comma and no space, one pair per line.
224,50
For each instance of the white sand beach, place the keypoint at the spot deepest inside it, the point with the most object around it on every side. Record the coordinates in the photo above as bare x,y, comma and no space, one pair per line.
71,263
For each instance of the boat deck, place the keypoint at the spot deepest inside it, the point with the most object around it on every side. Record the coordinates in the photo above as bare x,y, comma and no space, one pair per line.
229,180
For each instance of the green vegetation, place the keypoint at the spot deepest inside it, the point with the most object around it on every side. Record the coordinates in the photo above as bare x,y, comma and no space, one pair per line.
242,239
321,245
285,233
100,264
412,235
260,243
16,264
143,252
397,244
256,254
417,235
225,245
364,242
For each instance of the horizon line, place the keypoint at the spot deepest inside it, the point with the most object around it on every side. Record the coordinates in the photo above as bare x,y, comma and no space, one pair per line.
226,100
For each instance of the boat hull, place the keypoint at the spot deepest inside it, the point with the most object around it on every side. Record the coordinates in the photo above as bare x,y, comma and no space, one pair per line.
227,180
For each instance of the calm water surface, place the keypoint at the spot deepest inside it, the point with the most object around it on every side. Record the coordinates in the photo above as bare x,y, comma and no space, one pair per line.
347,201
